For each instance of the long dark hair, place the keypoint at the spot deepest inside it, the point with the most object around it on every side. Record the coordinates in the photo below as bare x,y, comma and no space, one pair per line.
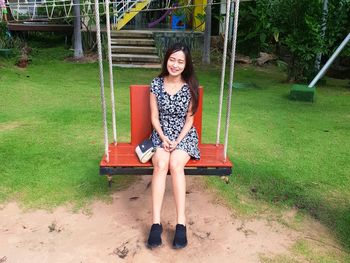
188,75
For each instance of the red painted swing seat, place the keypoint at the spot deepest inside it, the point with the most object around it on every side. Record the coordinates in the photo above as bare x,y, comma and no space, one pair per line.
123,159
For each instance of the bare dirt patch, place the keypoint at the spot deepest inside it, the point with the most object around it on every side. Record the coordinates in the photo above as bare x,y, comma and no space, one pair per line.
10,126
117,232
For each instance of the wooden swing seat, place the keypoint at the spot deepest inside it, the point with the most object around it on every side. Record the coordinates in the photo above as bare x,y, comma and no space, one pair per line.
122,156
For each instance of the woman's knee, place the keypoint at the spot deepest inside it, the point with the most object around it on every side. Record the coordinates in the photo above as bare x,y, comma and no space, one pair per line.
161,165
176,165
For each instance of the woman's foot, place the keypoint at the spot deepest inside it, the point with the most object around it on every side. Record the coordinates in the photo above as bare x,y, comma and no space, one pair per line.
154,239
180,238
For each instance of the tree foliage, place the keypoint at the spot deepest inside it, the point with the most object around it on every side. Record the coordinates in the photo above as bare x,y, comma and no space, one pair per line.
294,26
338,25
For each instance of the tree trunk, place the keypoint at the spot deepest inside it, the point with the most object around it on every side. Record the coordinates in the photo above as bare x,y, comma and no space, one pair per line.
323,32
78,47
207,34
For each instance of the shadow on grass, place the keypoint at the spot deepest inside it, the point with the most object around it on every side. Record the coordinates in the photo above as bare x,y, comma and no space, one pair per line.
94,186
268,184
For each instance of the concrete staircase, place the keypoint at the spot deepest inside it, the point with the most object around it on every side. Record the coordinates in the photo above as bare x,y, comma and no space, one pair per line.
134,48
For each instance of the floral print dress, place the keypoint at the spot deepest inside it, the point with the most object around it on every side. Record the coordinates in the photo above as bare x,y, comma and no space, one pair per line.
172,117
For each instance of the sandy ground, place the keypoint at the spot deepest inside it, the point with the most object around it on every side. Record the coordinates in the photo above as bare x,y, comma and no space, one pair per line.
117,232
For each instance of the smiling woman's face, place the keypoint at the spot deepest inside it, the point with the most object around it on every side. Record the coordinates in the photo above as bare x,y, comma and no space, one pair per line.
176,63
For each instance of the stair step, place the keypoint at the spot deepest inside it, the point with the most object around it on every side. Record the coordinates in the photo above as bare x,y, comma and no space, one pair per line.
134,50
132,41
131,34
135,58
137,65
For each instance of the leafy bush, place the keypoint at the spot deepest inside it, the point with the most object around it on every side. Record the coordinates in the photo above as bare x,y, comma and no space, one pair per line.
293,26
254,34
338,25
296,25
6,40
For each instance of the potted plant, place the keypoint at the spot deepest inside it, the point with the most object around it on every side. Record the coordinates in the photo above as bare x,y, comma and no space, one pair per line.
181,16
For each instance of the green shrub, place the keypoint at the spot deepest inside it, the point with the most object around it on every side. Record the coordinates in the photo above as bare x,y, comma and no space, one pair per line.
297,24
293,26
255,33
6,40
338,25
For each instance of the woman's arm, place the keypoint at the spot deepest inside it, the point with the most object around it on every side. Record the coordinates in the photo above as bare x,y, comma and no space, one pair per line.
188,125
156,123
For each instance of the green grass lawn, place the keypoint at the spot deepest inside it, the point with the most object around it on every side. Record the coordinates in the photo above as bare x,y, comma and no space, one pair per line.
286,153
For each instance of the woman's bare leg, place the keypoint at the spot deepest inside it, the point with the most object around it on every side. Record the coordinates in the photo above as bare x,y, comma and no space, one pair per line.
178,160
161,166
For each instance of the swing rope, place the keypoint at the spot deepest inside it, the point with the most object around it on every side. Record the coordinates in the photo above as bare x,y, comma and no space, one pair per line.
17,13
103,100
86,7
222,83
110,64
65,7
232,69
51,5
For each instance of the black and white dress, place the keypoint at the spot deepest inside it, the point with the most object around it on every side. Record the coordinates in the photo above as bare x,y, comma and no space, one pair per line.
172,116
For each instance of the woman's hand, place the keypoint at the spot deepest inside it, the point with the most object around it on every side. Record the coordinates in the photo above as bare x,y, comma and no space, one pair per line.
173,145
166,144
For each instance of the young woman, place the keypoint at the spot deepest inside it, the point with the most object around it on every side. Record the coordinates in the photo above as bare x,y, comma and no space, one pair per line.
174,101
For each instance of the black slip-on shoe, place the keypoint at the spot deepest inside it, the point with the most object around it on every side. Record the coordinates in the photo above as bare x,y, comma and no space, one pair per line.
154,238
180,238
